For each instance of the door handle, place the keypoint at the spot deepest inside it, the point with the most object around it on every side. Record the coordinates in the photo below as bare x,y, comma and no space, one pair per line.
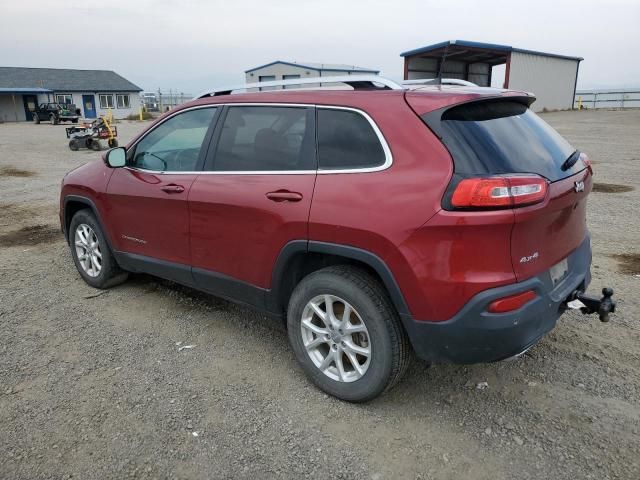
172,188
284,196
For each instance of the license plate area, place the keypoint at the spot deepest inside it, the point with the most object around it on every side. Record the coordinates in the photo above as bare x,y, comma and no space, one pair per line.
559,271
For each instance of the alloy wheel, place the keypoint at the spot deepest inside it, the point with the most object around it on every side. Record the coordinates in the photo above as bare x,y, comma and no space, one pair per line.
336,338
88,250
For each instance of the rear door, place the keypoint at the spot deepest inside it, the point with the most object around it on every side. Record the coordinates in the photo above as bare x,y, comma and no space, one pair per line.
504,137
148,208
254,195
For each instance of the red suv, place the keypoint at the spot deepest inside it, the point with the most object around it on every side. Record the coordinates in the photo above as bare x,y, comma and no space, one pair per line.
448,221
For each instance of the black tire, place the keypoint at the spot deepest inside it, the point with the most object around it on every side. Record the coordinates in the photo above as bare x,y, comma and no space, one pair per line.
95,145
113,143
74,145
74,120
110,273
53,119
36,118
390,349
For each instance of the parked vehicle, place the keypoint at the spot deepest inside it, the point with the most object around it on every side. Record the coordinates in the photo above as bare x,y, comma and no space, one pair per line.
449,221
89,135
55,113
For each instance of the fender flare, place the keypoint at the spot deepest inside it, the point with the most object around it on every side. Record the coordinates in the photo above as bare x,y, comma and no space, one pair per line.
368,258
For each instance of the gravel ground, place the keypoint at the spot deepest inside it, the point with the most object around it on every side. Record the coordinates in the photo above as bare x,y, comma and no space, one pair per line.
93,384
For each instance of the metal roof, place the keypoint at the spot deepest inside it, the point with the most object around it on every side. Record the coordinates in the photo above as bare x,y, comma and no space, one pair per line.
65,80
457,44
326,67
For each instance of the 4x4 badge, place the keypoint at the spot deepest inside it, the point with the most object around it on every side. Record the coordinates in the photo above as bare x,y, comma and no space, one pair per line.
579,187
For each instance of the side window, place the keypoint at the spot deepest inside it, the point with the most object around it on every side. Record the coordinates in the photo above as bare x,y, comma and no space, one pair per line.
266,139
347,140
174,145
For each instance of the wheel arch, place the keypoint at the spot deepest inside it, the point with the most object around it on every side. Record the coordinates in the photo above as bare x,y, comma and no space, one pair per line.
75,203
299,258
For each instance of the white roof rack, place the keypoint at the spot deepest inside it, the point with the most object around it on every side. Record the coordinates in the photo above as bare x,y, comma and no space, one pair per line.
357,82
439,81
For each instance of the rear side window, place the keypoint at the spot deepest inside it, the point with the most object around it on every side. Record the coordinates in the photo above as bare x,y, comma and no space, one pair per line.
502,137
266,139
347,140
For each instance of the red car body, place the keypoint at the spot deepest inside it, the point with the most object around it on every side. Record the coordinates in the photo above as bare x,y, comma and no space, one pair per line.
442,267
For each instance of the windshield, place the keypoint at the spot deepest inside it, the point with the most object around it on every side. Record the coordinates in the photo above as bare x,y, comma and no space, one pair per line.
502,137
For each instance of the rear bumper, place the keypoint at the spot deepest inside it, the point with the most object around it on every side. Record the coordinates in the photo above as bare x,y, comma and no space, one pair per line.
476,336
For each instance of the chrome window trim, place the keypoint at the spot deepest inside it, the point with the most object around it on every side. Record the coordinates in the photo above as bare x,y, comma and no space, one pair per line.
385,146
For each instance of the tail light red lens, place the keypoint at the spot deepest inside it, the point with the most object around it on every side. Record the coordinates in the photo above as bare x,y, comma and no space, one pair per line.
499,192
511,303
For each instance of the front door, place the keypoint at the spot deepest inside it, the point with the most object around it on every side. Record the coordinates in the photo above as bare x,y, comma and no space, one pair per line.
148,209
89,106
30,105
254,196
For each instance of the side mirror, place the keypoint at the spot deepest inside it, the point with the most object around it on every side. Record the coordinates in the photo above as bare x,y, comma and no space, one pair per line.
117,157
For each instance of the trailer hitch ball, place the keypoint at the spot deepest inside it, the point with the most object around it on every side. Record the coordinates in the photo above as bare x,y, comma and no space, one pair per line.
603,306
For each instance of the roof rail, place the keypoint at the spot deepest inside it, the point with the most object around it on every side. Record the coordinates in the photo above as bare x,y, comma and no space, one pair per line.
357,82
439,81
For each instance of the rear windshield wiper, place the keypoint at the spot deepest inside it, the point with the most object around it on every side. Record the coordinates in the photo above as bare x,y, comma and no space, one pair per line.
571,161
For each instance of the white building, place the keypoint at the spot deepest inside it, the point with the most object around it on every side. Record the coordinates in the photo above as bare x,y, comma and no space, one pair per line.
551,77
94,92
280,70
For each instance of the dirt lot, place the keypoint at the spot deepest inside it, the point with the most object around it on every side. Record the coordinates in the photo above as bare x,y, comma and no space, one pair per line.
92,384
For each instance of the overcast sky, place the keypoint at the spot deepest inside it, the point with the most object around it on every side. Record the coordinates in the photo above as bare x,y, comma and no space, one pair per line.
193,45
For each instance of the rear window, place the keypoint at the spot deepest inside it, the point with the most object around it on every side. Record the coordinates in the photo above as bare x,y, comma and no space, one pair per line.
347,140
498,137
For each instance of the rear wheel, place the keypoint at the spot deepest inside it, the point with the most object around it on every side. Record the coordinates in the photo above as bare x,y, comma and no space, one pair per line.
91,253
346,333
36,118
74,145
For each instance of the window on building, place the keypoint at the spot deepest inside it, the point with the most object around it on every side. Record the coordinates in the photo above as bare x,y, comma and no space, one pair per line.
267,78
122,100
64,98
266,139
175,144
106,101
346,139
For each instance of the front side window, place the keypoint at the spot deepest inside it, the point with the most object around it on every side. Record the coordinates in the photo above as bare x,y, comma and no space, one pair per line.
106,101
266,139
347,140
174,145
122,100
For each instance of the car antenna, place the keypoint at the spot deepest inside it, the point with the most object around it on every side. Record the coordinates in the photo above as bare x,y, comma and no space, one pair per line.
440,68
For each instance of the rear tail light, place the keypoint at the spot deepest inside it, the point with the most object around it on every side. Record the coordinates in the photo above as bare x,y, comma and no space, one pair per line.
499,192
511,303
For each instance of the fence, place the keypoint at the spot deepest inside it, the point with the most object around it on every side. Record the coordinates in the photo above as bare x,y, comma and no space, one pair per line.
608,98
161,101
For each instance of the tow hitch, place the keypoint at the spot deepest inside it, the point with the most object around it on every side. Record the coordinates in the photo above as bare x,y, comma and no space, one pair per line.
587,305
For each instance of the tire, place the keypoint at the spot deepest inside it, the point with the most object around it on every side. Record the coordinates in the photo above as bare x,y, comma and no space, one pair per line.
74,145
36,119
74,120
113,143
387,343
95,145
53,119
109,274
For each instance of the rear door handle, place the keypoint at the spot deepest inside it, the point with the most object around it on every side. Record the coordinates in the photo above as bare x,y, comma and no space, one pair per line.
284,196
172,188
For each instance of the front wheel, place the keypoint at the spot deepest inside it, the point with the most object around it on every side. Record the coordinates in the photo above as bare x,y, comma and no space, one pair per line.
91,253
36,118
53,120
346,333
113,143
